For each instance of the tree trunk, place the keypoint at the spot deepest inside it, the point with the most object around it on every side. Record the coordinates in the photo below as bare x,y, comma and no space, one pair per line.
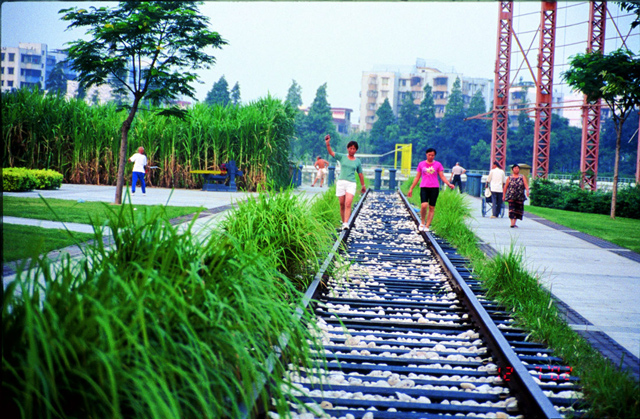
126,126
616,163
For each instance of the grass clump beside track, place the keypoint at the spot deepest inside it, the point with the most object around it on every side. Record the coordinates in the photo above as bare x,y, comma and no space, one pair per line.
160,324
610,392
281,226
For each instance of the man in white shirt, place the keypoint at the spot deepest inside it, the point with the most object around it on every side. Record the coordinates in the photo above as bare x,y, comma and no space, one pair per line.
139,161
495,182
456,176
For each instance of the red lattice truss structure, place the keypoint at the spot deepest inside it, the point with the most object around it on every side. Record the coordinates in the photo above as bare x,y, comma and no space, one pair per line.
544,93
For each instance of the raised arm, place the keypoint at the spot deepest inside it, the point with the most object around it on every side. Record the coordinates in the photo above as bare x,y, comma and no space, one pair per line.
327,140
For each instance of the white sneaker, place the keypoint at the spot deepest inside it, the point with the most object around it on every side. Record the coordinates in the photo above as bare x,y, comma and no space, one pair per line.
421,228
345,226
426,228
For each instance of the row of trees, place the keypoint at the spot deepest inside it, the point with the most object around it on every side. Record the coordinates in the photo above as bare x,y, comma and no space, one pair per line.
456,138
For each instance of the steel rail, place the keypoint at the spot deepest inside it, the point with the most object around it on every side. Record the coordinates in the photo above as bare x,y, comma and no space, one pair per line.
308,297
527,391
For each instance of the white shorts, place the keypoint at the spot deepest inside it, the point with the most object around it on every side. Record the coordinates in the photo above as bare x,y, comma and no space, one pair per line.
344,186
322,174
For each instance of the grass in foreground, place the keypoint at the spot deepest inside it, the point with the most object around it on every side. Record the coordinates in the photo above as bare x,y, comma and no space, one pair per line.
624,232
21,242
77,212
610,392
163,326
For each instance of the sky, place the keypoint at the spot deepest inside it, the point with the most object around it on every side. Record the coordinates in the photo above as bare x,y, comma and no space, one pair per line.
270,44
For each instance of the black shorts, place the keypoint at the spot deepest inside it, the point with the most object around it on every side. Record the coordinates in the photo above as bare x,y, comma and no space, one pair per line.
429,195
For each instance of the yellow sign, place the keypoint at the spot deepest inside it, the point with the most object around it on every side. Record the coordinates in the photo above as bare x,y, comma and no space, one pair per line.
405,163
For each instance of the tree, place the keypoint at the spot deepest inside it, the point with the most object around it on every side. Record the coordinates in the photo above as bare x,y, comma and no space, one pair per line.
57,80
427,123
380,139
294,95
407,116
157,44
235,95
317,124
633,7
454,144
219,93
614,78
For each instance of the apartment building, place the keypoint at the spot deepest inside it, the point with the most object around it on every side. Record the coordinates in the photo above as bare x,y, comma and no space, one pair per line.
401,82
522,95
341,119
29,65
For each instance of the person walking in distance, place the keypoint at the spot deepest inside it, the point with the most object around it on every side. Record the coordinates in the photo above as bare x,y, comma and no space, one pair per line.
495,183
456,176
428,171
346,184
514,194
139,161
321,166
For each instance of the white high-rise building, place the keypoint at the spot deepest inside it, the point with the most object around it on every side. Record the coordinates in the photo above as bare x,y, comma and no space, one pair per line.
29,65
395,84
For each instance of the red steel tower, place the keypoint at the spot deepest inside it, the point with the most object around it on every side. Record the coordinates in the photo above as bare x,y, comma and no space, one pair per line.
501,86
591,111
544,91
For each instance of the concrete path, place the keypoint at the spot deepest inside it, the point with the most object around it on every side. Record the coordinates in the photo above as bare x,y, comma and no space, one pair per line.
596,282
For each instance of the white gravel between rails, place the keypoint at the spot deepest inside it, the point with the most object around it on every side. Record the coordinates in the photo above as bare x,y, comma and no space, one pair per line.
358,282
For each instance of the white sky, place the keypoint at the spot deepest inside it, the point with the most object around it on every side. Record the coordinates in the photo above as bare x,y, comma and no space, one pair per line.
273,43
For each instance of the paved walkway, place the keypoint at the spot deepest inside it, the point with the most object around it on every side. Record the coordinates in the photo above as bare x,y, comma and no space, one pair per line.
596,282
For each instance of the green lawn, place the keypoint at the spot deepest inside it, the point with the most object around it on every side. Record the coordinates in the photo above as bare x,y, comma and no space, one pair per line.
624,232
21,242
73,211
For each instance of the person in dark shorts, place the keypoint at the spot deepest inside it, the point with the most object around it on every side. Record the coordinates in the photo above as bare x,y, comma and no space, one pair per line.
429,170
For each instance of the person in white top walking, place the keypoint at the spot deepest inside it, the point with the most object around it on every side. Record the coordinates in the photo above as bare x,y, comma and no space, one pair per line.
456,176
139,161
495,182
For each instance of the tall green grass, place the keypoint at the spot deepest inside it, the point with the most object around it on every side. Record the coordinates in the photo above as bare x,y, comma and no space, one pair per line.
158,325
284,226
82,141
610,392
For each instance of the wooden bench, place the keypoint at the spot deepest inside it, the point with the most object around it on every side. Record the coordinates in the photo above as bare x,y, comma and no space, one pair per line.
220,180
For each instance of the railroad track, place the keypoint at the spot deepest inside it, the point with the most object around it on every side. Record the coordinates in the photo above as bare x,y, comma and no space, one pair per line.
408,333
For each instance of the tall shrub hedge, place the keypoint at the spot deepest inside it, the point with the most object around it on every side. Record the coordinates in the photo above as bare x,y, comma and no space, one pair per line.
82,142
570,197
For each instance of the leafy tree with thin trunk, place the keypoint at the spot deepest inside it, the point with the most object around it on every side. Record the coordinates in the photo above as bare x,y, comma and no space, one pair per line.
614,78
157,44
